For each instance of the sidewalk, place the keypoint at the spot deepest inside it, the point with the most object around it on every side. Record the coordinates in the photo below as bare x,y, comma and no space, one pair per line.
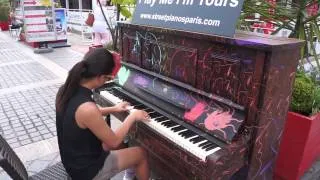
28,86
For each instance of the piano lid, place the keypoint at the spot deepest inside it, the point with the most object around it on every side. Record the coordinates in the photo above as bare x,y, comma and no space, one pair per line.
213,116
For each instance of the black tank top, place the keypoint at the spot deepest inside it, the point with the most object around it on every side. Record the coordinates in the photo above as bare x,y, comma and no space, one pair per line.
81,152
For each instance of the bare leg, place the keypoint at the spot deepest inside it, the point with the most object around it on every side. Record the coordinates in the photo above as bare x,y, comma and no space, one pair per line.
134,157
97,39
105,38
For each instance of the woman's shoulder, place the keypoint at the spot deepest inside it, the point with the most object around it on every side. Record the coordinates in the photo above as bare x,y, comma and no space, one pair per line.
88,107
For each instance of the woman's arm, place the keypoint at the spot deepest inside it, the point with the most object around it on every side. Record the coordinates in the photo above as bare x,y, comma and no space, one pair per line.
107,110
117,108
89,116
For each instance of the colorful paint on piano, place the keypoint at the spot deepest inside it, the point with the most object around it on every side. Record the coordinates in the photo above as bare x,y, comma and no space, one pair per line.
211,116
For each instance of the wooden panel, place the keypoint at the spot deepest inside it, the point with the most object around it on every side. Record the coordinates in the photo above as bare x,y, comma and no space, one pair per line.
176,62
131,50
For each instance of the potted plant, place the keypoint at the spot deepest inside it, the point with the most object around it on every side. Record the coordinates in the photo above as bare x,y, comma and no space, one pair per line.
300,145
4,14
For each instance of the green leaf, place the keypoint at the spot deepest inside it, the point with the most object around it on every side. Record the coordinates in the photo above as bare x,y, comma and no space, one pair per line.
125,12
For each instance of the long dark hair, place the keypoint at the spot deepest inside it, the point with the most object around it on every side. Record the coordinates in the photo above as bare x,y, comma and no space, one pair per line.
96,62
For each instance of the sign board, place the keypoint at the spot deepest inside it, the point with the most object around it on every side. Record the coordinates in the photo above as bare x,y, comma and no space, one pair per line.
76,20
61,23
38,20
217,17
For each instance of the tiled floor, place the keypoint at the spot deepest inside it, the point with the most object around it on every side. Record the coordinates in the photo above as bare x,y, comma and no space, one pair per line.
28,116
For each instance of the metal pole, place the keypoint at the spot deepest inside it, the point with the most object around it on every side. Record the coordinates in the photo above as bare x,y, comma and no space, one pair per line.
67,4
80,4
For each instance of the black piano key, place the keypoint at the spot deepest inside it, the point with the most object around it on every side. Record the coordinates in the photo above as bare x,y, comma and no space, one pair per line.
187,135
166,122
169,124
139,106
155,115
178,128
148,110
160,119
204,143
184,132
132,102
211,147
206,146
197,139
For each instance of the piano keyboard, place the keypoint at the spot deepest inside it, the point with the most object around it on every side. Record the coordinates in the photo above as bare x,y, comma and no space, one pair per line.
185,138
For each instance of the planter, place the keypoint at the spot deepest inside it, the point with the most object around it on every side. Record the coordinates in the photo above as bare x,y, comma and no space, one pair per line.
4,25
300,146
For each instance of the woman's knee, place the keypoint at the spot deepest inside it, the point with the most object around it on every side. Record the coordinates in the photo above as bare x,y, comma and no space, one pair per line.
141,153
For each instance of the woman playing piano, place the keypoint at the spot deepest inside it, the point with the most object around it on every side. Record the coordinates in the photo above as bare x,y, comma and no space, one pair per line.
84,138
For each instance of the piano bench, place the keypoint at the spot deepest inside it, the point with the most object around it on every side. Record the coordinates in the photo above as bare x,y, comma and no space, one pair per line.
12,165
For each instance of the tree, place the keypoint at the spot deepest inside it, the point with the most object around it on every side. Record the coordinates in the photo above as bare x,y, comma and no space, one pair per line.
292,16
123,7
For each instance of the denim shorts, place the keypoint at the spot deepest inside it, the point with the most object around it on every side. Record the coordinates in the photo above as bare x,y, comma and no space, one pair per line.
109,169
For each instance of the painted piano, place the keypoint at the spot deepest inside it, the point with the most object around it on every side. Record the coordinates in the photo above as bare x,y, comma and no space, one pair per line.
217,104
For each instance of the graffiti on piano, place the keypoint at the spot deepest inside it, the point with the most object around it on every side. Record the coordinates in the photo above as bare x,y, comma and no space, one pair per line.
147,50
219,70
221,120
230,74
176,62
132,51
213,117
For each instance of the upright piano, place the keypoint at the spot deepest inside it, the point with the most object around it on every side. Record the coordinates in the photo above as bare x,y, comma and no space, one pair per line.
217,104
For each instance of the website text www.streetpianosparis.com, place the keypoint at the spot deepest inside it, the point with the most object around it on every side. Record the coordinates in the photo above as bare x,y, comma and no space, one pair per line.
181,19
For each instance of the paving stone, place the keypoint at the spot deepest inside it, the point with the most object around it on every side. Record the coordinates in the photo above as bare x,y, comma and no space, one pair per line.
34,134
9,131
25,142
11,74
47,136
38,165
24,137
29,126
31,130
15,145
18,127
42,127
9,136
21,133
12,140
5,45
45,131
37,138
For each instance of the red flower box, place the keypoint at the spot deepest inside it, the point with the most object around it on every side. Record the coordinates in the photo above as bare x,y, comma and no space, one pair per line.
4,25
300,146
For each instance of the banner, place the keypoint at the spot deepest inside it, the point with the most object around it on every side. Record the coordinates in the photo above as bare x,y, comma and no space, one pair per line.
217,17
39,20
76,20
61,23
